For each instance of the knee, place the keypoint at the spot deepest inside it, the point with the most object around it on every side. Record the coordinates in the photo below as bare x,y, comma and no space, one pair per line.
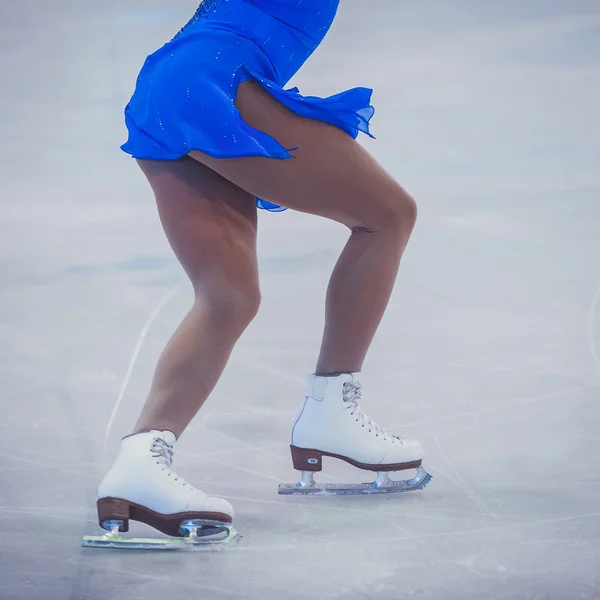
409,211
230,304
400,213
394,214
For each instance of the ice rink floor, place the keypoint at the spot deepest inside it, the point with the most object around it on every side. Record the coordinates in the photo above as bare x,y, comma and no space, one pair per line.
488,113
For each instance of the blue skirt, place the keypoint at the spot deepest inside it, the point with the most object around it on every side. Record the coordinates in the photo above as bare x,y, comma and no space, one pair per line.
185,94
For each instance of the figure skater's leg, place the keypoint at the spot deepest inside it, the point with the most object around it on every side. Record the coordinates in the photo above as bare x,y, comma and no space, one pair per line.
334,177
211,226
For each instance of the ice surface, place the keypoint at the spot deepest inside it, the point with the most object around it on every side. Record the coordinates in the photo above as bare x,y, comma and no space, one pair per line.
488,114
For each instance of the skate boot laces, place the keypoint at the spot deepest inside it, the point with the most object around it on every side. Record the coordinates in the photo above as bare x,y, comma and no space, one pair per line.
351,394
163,452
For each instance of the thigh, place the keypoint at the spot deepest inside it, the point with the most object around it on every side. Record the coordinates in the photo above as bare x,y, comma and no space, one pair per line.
331,174
209,221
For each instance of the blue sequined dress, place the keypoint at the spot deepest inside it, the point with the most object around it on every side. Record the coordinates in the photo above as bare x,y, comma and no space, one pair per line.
185,93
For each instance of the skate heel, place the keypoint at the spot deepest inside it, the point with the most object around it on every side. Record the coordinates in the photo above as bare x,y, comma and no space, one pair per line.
305,459
113,512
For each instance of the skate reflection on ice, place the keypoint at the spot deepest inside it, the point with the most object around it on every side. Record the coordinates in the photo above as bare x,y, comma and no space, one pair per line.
196,535
383,484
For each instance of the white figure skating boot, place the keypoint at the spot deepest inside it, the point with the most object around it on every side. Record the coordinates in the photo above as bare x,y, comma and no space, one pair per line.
331,423
142,487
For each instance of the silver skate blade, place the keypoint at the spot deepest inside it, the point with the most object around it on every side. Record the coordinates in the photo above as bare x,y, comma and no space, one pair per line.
382,485
225,535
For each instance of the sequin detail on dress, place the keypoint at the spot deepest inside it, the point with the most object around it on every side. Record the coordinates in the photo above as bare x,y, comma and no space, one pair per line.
202,12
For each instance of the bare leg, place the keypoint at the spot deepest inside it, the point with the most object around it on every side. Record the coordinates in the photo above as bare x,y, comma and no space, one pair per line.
357,296
211,225
334,177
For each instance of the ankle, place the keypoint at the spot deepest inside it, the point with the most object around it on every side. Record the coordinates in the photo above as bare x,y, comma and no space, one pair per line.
331,373
147,427
164,433
320,374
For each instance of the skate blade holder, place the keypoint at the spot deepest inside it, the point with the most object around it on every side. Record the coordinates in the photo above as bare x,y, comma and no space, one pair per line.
197,535
382,484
